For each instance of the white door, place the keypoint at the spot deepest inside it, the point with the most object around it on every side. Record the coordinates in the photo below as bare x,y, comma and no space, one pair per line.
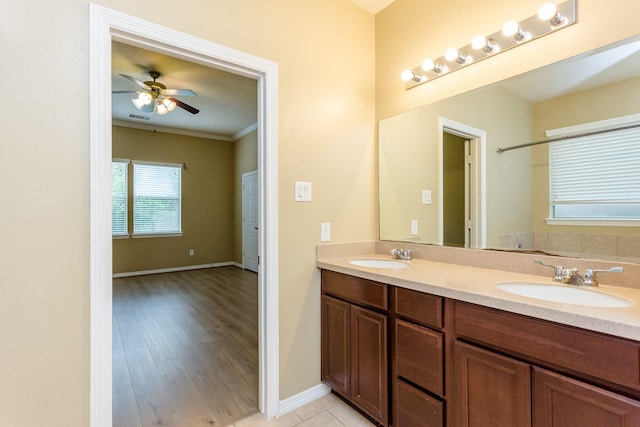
250,221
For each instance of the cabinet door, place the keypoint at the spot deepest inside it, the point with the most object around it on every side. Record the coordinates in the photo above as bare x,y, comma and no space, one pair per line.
336,342
491,390
369,386
413,408
559,401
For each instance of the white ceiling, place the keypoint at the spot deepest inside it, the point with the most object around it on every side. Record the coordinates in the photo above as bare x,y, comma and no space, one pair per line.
372,6
227,102
577,74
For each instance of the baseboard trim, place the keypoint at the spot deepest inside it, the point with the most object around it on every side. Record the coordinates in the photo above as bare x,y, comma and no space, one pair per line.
175,269
302,398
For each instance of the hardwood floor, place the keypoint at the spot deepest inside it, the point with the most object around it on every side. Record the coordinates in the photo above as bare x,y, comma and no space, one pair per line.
185,348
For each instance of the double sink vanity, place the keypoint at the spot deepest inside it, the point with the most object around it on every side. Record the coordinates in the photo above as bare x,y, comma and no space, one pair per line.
431,343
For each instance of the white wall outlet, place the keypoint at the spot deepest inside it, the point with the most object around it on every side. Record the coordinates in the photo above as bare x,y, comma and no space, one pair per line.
426,197
414,227
302,191
192,252
325,232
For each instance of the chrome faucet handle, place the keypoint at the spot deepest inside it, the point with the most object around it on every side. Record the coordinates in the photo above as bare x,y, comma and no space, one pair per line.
558,271
590,277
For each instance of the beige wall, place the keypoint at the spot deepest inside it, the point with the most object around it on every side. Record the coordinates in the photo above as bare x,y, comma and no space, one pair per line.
327,63
245,159
326,121
208,189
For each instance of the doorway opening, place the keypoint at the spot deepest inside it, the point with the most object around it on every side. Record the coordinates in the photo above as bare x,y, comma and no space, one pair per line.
106,26
462,181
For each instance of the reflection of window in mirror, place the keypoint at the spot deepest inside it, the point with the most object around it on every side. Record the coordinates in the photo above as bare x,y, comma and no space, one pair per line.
596,174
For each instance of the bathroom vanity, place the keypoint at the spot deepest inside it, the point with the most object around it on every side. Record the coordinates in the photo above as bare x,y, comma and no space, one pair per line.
437,344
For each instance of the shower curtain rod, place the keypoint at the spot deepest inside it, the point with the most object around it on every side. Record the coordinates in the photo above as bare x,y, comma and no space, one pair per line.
561,138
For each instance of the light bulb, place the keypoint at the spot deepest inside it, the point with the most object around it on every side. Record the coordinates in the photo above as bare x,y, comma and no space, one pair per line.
451,54
410,75
407,75
478,42
547,11
428,65
161,108
145,98
169,104
511,28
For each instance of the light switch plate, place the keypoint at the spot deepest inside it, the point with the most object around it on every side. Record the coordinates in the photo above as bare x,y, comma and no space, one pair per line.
325,232
302,191
426,197
414,227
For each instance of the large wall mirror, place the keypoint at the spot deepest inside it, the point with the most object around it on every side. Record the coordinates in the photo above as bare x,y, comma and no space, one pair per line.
442,181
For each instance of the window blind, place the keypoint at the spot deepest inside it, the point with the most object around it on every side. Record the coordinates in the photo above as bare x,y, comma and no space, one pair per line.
119,181
596,176
156,198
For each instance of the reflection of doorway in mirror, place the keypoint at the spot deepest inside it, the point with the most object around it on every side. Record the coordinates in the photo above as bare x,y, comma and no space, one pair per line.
456,193
462,199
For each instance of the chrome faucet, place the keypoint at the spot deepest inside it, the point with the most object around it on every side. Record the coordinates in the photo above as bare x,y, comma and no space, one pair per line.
571,275
403,254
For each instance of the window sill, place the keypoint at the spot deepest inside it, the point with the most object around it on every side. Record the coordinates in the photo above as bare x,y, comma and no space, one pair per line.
594,222
119,236
149,236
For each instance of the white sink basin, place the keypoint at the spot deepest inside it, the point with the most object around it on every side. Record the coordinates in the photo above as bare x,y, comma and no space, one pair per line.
379,263
566,294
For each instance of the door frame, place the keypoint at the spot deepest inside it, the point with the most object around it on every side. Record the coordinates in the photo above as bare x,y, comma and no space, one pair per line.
106,25
478,202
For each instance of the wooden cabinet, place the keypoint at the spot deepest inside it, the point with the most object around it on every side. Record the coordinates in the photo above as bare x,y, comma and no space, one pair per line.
464,365
506,383
354,342
489,389
559,401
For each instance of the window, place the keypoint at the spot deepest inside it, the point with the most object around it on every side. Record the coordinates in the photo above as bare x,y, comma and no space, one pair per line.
596,177
156,198
119,169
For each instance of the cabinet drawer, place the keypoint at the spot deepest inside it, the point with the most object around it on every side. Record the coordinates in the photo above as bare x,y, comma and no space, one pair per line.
418,356
413,408
547,343
419,307
356,290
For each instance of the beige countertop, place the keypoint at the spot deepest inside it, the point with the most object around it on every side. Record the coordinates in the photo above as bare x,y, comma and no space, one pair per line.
478,285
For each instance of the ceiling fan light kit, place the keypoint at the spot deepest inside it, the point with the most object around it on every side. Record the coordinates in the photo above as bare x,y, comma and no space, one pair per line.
154,96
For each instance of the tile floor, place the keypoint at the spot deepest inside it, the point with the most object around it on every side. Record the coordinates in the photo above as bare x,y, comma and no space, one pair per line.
328,411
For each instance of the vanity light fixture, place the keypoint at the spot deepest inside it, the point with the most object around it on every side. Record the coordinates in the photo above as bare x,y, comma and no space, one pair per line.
480,42
549,12
429,65
550,18
452,54
408,75
513,29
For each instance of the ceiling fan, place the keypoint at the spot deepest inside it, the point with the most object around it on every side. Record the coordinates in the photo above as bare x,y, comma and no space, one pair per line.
153,95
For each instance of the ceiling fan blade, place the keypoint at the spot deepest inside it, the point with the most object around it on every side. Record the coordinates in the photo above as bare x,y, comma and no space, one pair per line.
184,106
179,92
124,91
136,81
